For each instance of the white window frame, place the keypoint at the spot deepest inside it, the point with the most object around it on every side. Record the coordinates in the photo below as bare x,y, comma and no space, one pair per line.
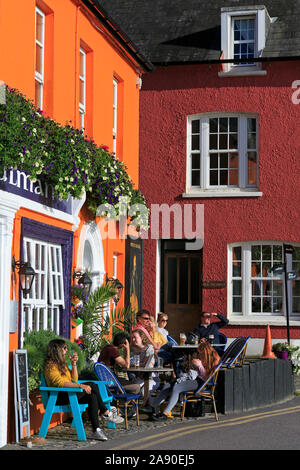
205,189
115,115
40,77
82,82
227,18
246,316
233,42
42,310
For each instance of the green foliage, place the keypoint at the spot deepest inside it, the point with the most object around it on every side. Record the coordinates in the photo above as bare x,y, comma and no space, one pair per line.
63,157
36,342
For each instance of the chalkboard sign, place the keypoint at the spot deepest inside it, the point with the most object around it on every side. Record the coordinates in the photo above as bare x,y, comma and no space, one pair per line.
21,394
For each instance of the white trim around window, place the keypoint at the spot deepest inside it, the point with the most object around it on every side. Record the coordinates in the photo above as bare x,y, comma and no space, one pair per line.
115,114
222,155
82,88
39,57
255,296
228,18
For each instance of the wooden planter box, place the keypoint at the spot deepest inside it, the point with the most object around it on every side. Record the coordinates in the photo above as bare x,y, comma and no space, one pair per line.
254,385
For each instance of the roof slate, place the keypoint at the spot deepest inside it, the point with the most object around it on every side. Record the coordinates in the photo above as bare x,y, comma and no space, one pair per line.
187,31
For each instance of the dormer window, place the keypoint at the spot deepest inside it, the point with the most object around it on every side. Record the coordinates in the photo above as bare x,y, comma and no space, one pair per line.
243,40
243,37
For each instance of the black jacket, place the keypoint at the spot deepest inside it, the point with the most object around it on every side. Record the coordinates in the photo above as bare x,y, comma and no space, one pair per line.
212,329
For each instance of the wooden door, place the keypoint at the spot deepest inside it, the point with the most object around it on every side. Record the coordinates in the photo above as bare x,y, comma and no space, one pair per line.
182,291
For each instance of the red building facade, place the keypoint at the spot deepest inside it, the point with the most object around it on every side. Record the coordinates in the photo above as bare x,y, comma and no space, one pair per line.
237,222
219,130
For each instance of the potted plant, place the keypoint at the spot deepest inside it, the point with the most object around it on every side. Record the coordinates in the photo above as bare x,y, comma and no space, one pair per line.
281,350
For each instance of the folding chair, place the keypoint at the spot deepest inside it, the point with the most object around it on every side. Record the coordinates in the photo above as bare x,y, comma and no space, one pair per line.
117,391
206,391
234,355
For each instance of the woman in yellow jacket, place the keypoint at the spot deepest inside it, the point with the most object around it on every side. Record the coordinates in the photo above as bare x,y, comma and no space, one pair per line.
58,374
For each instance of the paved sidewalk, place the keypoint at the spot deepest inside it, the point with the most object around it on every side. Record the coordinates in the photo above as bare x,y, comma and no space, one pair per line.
64,437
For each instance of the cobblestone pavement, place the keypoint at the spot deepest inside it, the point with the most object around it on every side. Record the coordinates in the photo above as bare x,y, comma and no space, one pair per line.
64,437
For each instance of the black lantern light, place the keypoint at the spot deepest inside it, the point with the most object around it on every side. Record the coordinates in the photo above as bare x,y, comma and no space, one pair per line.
84,279
115,284
26,275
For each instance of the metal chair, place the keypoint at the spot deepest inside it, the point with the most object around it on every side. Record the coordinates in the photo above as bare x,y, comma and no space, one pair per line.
234,355
117,391
206,391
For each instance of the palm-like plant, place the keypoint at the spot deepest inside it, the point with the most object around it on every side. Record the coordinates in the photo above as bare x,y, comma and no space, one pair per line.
96,319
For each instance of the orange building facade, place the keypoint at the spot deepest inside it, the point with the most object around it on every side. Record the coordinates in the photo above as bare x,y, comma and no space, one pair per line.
77,67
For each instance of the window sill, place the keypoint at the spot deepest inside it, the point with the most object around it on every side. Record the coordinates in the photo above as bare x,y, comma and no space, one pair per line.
257,321
222,193
242,73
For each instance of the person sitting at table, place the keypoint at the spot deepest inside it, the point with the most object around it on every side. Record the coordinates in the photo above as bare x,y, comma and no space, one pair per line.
165,351
143,324
142,347
58,374
111,356
157,337
204,363
207,328
162,320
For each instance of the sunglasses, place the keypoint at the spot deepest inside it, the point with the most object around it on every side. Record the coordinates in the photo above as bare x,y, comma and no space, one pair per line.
164,320
145,318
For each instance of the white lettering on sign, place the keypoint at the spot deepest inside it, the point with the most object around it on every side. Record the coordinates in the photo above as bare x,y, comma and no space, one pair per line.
21,180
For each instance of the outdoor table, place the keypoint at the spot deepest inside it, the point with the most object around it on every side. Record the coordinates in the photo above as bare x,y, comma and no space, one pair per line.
147,371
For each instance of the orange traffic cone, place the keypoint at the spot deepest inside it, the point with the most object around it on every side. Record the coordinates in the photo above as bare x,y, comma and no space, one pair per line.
268,354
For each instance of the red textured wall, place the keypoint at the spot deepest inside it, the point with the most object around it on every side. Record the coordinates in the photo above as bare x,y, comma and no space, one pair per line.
168,96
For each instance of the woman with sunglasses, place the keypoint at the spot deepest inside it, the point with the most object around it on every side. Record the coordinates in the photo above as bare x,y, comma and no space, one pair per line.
58,374
162,320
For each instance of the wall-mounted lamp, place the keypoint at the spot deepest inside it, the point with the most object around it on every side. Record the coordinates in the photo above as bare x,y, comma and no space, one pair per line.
115,284
84,279
26,275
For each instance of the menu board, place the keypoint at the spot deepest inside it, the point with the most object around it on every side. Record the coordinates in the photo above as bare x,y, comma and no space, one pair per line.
22,414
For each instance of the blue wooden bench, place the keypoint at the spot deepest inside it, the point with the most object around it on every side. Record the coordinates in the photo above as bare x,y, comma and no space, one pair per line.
49,397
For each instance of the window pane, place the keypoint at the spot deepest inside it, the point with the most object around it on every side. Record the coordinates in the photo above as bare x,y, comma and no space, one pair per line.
223,177
233,178
236,304
237,287
252,168
256,252
213,180
237,253
195,142
213,141
266,252
38,59
213,125
251,141
196,178
196,161
196,126
39,28
223,141
214,161
233,141
233,124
